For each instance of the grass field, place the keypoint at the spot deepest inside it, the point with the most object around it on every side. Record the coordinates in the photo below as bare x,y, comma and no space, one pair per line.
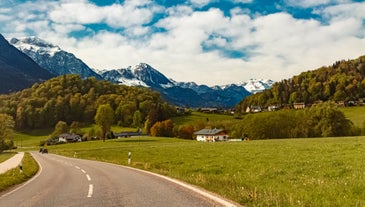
355,114
292,172
14,177
6,155
203,117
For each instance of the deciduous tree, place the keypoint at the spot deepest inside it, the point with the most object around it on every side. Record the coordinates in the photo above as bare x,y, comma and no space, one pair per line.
104,118
6,130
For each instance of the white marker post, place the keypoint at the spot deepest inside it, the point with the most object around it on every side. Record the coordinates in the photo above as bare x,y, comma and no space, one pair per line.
129,158
21,167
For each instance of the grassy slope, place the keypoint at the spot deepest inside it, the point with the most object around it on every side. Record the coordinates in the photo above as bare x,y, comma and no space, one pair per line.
296,172
308,172
6,155
14,177
355,114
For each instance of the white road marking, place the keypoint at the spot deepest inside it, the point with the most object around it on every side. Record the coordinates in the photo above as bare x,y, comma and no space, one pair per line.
77,167
88,177
83,171
91,188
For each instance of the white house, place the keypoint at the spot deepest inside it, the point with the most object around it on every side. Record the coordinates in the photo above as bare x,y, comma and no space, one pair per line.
211,135
69,138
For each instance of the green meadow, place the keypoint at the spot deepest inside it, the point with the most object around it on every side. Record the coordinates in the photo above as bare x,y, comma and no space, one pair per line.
291,172
6,155
283,172
13,177
355,114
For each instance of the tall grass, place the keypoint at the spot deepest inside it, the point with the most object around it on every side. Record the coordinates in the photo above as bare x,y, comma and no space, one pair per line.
293,172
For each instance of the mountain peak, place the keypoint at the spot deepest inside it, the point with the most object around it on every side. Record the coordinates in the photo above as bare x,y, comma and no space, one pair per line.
35,44
18,71
52,58
151,76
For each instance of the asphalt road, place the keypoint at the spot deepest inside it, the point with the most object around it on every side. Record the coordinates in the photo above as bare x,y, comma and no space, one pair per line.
66,181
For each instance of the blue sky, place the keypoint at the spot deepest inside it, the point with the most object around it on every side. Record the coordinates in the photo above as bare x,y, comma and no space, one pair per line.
206,41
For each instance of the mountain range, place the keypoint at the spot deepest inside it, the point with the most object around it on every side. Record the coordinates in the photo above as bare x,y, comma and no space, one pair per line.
18,71
59,62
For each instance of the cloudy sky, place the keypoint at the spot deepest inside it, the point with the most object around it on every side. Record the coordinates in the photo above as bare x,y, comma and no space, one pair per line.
207,41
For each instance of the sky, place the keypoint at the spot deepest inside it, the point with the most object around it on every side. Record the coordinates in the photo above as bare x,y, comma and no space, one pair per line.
212,42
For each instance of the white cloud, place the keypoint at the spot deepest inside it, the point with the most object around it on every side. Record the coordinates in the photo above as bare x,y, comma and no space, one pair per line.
180,10
76,12
130,13
314,3
242,1
277,45
307,3
345,11
201,3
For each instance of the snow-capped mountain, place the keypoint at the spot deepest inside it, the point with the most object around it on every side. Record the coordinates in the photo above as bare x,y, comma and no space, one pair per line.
257,85
18,71
52,58
59,62
184,93
140,75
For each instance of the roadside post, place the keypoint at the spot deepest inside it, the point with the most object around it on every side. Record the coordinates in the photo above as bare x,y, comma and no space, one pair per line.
21,167
129,158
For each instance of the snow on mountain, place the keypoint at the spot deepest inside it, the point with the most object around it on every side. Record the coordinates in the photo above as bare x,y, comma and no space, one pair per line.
200,89
139,75
59,62
18,71
185,93
52,58
123,76
257,85
36,45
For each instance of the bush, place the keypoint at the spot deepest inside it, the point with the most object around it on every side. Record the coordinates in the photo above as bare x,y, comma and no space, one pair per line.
185,132
163,129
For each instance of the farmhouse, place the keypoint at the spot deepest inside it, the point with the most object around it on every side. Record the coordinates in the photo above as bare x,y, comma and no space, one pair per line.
253,109
299,105
211,135
69,138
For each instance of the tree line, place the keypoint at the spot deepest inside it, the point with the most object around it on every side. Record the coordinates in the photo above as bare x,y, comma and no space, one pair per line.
343,81
70,99
320,120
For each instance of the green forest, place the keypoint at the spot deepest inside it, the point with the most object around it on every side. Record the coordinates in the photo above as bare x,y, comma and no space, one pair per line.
70,99
343,81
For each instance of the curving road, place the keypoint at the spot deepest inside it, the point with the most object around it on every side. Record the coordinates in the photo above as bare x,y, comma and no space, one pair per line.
66,181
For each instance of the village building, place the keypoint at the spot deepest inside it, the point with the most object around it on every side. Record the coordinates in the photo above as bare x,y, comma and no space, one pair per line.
211,135
299,105
66,137
273,108
209,110
253,109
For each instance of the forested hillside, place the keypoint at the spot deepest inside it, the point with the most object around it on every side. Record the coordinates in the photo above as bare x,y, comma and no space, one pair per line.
70,99
343,81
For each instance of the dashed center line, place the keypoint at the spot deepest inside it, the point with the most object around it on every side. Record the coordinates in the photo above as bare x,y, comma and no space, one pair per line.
91,187
90,193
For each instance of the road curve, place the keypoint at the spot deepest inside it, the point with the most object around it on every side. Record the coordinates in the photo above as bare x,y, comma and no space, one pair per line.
64,181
